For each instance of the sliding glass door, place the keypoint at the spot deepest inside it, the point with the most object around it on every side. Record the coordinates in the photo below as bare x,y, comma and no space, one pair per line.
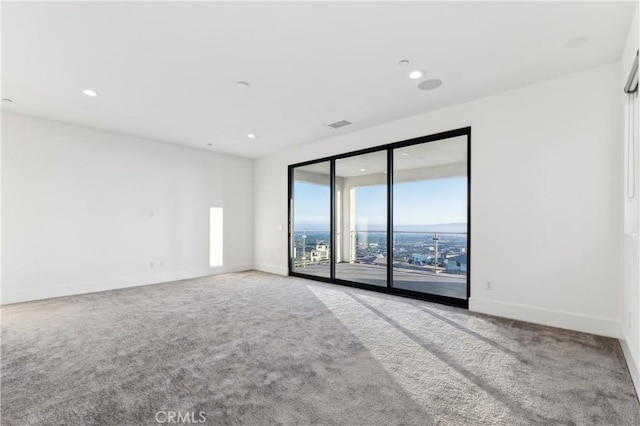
430,218
361,212
311,225
393,218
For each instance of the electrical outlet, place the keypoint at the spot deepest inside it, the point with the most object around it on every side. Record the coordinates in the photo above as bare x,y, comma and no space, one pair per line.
162,263
489,285
152,265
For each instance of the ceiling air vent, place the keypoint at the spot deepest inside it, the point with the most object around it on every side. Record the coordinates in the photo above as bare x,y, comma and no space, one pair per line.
339,124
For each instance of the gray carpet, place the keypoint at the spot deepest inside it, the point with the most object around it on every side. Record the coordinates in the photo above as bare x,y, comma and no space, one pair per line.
259,349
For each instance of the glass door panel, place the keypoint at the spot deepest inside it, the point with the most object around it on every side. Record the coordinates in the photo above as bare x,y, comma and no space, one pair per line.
430,217
311,227
361,218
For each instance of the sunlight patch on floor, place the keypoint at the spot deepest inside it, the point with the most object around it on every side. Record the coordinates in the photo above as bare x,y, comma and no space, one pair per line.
425,377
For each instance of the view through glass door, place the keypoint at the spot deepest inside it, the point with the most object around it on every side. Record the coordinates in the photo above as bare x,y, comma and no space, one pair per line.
311,224
361,212
430,218
392,218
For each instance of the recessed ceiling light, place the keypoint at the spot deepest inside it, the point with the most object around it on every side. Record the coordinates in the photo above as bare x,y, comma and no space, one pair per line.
385,172
404,154
434,83
90,92
242,85
7,100
416,74
404,62
363,170
251,135
576,42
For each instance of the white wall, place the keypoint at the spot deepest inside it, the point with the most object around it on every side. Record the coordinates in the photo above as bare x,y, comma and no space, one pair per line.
546,212
630,300
76,207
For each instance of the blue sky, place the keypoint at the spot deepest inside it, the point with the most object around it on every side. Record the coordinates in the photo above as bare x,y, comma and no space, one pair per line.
311,206
415,203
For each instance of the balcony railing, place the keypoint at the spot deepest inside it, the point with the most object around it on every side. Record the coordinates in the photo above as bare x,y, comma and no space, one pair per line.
429,251
446,253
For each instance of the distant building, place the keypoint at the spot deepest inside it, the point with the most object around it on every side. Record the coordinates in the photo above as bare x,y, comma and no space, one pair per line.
457,264
320,253
419,259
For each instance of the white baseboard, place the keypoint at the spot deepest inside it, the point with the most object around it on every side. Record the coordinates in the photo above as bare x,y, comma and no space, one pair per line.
566,320
633,367
274,269
113,284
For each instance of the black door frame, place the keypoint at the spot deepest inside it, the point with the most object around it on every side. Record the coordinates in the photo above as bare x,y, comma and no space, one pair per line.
463,303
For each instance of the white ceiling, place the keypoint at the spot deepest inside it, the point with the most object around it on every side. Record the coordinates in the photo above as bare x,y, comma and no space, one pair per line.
362,165
167,71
